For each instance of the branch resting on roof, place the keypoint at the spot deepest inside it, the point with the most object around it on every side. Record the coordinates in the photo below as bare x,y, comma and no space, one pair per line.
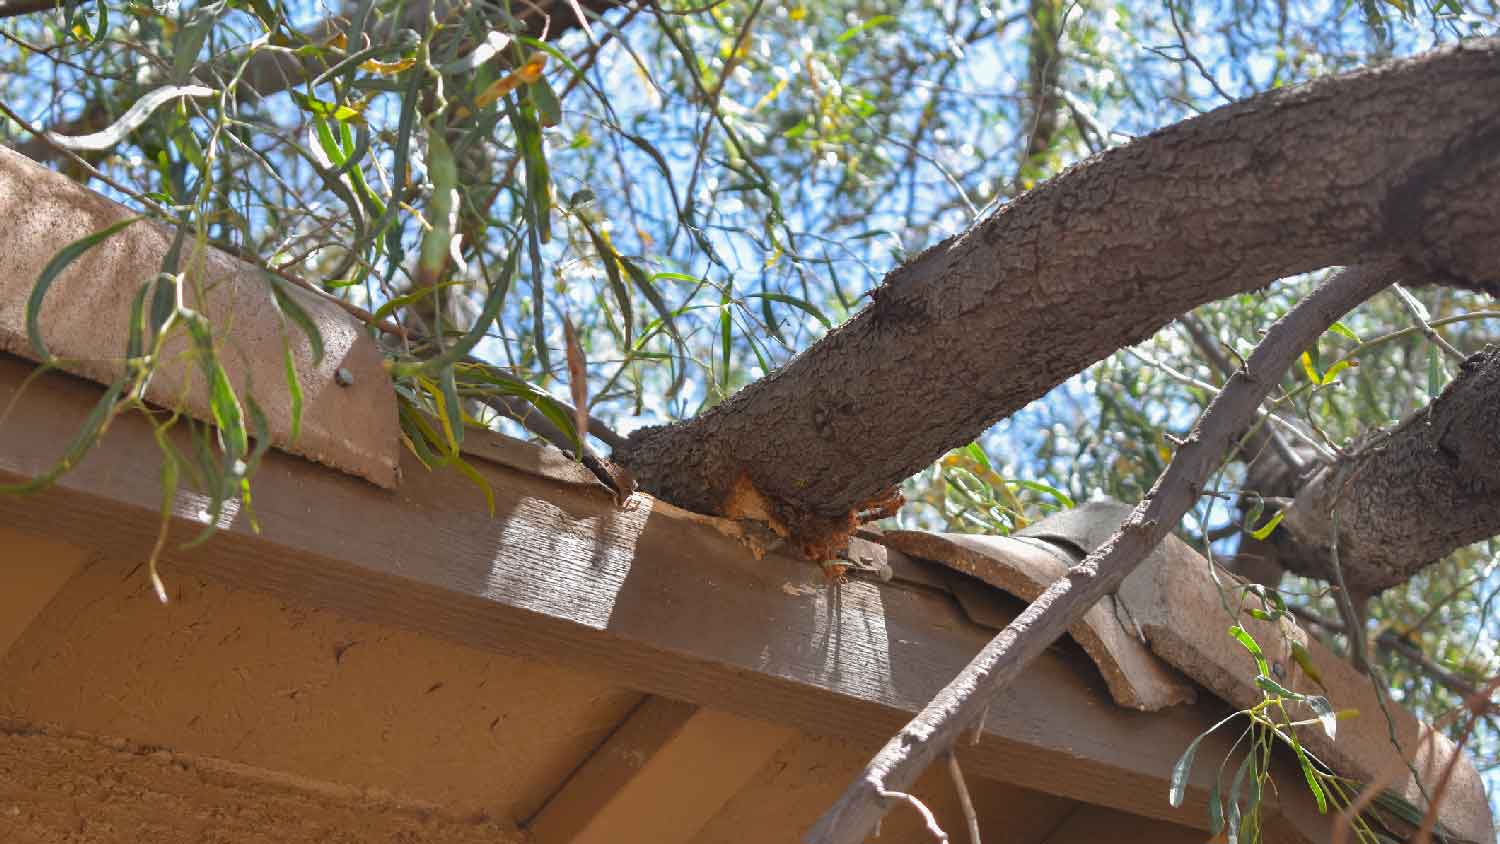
963,701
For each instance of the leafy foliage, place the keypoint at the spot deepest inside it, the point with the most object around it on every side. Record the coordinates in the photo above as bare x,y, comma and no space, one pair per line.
703,190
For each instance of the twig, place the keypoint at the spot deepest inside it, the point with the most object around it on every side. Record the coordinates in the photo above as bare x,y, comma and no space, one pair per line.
1390,640
926,813
1208,347
1424,324
965,802
1373,788
933,732
518,410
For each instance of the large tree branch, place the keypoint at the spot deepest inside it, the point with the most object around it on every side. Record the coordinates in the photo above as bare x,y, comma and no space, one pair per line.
1407,497
1098,258
14,8
934,731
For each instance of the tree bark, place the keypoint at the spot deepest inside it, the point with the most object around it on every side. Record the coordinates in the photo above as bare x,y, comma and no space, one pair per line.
1403,159
962,702
1407,497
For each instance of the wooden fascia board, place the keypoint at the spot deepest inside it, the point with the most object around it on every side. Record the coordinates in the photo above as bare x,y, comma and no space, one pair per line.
645,595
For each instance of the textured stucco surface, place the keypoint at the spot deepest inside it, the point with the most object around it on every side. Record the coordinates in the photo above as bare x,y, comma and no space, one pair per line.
61,789
255,681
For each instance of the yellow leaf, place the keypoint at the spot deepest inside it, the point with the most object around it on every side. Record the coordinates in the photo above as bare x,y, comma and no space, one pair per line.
1309,370
799,13
770,95
388,68
527,73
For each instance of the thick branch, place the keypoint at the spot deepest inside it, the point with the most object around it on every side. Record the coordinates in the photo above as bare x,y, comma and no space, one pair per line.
933,732
1098,258
1410,496
14,8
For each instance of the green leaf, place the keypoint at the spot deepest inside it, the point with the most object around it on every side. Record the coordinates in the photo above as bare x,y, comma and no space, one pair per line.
189,41
611,260
1267,684
1343,330
977,452
135,332
1304,661
443,171
726,334
164,303
82,442
1034,486
1244,638
324,108
223,404
548,107
537,397
1182,769
800,304
453,410
293,388
878,20
65,256
286,302
538,174
1311,776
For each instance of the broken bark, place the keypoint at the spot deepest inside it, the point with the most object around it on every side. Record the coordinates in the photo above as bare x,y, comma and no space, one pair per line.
1101,257
933,732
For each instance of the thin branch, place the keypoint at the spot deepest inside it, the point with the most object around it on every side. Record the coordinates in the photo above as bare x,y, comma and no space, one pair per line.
1408,651
1424,324
1208,346
965,802
926,813
933,732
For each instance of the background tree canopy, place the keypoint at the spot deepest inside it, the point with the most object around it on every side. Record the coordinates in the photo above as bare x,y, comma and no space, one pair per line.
698,191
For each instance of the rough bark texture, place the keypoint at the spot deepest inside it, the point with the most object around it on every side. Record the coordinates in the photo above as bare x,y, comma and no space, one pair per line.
1407,497
963,701
1401,159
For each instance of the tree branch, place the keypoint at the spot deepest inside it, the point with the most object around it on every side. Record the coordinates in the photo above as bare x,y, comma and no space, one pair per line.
1409,496
15,8
1099,258
933,732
